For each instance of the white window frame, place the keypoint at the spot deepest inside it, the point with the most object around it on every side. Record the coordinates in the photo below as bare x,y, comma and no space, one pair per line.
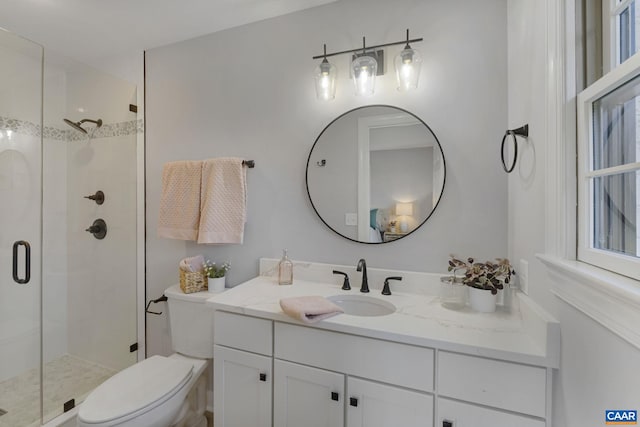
609,260
611,10
608,298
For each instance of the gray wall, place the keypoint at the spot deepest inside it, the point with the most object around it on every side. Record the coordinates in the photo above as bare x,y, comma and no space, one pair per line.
249,92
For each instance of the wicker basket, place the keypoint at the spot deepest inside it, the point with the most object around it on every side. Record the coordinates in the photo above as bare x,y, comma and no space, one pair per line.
193,282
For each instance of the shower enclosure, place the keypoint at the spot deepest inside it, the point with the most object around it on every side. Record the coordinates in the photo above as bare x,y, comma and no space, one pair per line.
67,289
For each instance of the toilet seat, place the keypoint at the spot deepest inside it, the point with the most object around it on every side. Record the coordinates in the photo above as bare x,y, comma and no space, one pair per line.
135,390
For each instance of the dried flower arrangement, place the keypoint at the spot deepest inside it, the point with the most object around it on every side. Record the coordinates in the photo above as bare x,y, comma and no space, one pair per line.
486,275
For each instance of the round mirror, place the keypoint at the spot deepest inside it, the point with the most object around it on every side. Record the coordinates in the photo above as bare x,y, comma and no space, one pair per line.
375,174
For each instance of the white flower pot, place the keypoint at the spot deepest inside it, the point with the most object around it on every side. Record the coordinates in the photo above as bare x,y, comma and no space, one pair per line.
216,284
482,300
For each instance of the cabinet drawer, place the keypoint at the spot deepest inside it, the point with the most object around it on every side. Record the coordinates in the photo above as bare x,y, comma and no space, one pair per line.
463,414
389,362
504,385
243,332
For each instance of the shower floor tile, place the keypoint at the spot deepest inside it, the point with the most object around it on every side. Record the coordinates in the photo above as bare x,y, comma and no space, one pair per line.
67,377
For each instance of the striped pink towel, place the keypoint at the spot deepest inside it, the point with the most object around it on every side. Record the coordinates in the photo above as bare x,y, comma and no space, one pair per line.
180,200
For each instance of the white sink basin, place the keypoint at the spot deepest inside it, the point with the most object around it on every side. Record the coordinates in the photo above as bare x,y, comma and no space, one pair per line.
362,305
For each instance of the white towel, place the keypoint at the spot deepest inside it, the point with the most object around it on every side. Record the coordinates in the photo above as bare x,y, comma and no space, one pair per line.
193,264
223,201
180,201
309,309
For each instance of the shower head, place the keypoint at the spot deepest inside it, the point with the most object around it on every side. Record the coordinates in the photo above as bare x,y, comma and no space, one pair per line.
78,125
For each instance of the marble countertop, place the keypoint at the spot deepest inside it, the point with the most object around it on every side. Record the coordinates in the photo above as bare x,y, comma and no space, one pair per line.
522,334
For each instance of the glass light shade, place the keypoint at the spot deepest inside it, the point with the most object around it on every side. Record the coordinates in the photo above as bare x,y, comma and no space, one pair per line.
407,65
364,70
325,77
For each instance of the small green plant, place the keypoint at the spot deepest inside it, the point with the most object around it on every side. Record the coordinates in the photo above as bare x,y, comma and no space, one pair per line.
486,275
214,271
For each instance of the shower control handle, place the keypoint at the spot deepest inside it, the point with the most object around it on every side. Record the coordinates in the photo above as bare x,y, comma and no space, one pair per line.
98,197
98,229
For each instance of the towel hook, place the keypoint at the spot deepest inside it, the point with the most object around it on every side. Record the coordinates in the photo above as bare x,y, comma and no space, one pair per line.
522,131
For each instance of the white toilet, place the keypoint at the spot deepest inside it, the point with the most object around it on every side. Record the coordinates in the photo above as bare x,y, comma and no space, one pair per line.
161,391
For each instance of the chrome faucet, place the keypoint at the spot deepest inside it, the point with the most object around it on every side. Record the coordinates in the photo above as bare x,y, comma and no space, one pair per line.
362,266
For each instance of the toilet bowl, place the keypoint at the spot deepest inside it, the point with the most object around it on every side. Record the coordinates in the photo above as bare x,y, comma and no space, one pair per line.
161,391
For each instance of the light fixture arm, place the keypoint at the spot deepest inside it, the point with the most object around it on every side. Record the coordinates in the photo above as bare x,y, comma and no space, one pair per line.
326,55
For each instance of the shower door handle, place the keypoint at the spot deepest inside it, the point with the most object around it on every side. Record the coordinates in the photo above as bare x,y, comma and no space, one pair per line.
27,262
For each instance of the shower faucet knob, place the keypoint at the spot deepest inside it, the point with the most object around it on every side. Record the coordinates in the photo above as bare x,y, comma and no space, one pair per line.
98,229
98,197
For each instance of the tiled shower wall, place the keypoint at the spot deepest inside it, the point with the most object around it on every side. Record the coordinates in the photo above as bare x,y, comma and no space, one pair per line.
101,293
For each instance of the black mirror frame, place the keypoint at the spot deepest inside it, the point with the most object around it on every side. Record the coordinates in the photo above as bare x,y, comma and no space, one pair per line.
444,168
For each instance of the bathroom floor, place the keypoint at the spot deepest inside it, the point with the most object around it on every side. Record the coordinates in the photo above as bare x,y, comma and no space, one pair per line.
67,377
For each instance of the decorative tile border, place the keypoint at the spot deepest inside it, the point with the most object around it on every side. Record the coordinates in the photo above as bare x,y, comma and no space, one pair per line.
108,130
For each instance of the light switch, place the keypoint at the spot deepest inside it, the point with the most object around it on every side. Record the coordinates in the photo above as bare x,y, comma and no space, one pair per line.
351,219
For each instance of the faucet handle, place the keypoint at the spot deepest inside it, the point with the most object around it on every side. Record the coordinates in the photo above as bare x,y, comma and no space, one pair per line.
386,290
345,285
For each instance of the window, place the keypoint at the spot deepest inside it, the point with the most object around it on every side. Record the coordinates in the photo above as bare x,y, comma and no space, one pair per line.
609,154
623,18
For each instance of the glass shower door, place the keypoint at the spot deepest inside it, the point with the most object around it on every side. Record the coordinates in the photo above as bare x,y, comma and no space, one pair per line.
21,77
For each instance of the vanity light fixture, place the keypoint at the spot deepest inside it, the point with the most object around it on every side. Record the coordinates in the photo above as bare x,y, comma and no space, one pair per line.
408,64
367,63
325,77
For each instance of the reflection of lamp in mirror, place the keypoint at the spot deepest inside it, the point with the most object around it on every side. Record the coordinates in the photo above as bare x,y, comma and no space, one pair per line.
403,210
325,77
407,65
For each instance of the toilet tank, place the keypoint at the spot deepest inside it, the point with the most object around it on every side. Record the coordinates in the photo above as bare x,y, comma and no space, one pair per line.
190,322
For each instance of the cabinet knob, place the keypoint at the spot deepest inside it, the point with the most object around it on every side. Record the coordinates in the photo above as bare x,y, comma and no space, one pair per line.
335,396
353,401
263,377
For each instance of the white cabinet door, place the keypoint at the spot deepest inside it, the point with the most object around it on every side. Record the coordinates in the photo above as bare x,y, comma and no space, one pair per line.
467,415
307,397
372,404
242,388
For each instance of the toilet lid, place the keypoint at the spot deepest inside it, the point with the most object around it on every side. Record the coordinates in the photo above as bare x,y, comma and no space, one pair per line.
135,388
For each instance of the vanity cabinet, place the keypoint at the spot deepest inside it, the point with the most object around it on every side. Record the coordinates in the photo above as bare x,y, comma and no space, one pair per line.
243,374
332,379
305,396
462,414
311,397
382,405
242,384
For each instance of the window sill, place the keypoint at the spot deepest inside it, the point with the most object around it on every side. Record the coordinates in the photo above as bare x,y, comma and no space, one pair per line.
608,298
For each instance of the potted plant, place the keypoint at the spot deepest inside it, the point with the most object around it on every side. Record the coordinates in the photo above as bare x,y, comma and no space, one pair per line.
216,274
484,279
